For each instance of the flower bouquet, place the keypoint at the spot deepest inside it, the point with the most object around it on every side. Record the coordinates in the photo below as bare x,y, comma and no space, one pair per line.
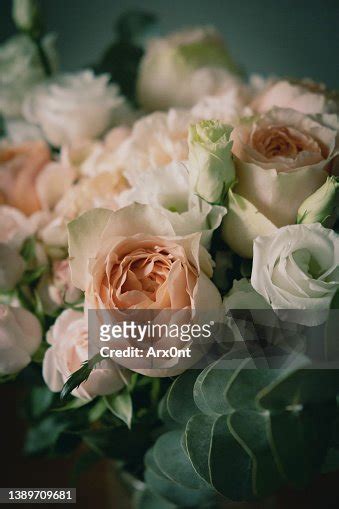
169,263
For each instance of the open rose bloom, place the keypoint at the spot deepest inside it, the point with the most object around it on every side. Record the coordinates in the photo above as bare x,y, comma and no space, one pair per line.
168,235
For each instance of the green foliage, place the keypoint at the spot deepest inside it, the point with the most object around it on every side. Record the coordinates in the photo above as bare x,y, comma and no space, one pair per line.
121,59
244,432
121,406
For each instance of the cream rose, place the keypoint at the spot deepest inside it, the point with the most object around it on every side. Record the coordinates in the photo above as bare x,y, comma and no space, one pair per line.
281,158
73,107
297,268
20,337
178,70
304,96
68,338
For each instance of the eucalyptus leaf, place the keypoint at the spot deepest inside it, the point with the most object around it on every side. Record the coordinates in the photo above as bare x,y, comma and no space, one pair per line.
171,459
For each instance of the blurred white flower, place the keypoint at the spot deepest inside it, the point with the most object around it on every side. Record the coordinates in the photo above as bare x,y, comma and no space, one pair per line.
180,69
21,69
73,107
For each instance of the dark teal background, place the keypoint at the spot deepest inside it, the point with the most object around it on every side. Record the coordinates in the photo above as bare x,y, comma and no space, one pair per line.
286,37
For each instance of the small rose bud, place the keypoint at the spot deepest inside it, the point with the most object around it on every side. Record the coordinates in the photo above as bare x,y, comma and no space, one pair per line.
318,207
210,160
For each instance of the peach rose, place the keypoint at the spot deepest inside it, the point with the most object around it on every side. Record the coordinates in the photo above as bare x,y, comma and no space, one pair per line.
68,338
131,259
304,96
281,157
20,337
20,166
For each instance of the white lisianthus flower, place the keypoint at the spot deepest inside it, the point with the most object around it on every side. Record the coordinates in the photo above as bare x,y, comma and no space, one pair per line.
68,338
281,158
76,106
210,160
297,268
180,69
168,189
20,70
20,337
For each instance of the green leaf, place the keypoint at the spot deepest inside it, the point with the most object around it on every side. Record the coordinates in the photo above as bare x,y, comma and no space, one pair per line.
300,440
174,463
30,276
331,462
39,401
121,406
28,249
44,435
229,464
198,436
149,500
252,431
175,493
79,376
180,402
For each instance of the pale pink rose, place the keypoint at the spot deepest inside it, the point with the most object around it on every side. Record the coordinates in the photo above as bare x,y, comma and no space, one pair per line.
15,226
304,96
281,157
61,288
20,166
68,338
52,183
20,337
88,158
101,190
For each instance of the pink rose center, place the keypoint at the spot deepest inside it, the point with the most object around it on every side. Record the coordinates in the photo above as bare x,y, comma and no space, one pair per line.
282,141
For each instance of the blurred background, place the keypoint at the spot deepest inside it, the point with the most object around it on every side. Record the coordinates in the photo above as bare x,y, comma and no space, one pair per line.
298,38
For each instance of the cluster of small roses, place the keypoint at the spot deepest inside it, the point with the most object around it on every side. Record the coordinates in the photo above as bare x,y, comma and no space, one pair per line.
122,211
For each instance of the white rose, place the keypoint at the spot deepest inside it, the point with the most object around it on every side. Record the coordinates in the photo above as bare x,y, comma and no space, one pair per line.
297,269
68,338
168,189
75,106
20,337
20,70
180,69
